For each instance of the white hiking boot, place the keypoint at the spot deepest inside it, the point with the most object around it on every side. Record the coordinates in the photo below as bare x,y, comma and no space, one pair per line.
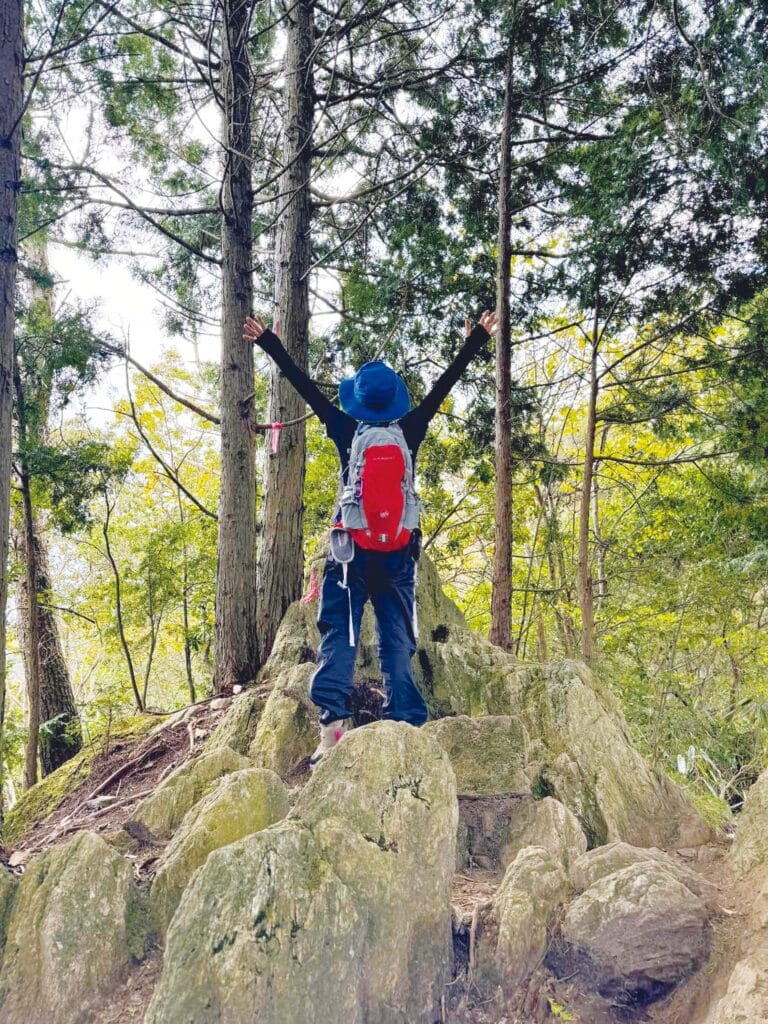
330,735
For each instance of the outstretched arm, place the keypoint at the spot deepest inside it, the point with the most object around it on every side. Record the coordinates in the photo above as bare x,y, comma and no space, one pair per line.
256,330
417,421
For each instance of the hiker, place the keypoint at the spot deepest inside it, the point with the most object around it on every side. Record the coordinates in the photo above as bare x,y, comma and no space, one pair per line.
375,537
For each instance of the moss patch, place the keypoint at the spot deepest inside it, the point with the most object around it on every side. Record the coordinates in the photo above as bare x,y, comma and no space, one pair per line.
39,801
716,812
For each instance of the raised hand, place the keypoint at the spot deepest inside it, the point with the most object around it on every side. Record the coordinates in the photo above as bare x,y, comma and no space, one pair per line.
254,327
488,320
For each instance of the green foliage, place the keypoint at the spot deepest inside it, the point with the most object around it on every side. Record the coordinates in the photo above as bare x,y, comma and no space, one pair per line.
714,810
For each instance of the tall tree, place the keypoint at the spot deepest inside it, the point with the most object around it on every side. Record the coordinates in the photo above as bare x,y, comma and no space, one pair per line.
11,112
237,651
281,561
44,351
501,597
585,582
32,620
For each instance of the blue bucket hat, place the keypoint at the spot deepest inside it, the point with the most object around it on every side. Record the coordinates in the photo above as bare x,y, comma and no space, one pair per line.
376,394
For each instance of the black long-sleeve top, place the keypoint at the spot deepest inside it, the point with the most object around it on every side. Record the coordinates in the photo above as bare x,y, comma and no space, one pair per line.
340,426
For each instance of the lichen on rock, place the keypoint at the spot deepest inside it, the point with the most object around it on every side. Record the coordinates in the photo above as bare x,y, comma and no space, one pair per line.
287,730
591,765
76,927
340,911
632,935
239,723
162,812
512,936
240,804
549,824
489,755
266,933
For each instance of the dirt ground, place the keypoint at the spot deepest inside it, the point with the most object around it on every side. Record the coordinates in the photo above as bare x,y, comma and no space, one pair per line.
122,774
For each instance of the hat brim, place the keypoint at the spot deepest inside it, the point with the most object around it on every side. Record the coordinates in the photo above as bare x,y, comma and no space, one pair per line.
399,406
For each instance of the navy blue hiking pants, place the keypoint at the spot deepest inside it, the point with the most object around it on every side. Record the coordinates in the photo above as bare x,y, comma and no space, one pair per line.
387,578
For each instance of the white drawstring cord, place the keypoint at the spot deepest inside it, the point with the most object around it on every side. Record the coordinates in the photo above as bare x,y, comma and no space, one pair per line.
415,612
345,586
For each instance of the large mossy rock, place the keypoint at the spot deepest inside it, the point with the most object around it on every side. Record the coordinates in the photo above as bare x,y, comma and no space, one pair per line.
549,824
489,755
578,747
632,935
76,926
589,763
288,728
341,911
266,933
241,803
238,725
745,1000
8,887
384,811
163,811
512,937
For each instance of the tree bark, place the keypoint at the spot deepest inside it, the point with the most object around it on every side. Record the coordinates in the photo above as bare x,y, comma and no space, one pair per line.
602,582
281,561
237,649
11,101
501,596
185,601
62,737
32,646
586,597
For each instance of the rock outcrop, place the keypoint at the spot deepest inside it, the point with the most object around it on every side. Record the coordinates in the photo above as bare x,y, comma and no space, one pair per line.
512,936
745,1000
301,922
242,803
339,907
553,730
162,812
76,927
632,935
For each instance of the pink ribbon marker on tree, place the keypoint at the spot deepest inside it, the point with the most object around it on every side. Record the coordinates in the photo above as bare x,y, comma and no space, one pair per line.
313,590
274,437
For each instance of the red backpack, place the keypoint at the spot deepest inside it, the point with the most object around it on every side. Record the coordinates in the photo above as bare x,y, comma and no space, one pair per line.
379,505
